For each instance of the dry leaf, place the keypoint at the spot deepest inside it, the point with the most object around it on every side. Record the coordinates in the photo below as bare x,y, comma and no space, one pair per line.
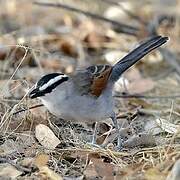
9,171
119,14
41,160
113,57
167,126
138,84
141,86
46,137
98,168
40,115
3,52
74,178
154,174
175,172
121,84
10,147
26,139
90,172
51,64
46,173
128,171
133,74
69,48
141,139
160,125
134,83
152,127
27,162
95,40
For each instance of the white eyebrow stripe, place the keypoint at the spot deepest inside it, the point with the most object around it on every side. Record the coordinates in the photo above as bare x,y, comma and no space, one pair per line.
102,69
52,81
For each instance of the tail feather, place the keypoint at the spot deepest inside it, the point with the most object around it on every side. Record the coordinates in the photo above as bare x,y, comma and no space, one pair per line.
135,55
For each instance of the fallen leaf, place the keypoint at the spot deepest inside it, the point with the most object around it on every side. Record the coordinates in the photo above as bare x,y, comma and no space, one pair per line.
128,171
133,74
98,168
167,126
138,84
69,48
41,160
95,40
74,178
90,172
10,147
27,162
154,174
46,137
141,86
112,57
46,173
141,139
51,64
121,84
118,13
134,83
152,127
40,115
9,171
175,172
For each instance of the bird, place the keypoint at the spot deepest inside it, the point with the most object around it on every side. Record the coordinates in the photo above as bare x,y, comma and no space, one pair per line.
86,95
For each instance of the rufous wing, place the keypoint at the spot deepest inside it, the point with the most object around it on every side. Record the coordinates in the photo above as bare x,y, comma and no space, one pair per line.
92,80
100,79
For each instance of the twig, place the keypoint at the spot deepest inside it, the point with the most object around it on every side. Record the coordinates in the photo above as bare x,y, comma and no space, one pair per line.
23,110
123,28
171,58
147,97
17,166
148,111
129,13
156,112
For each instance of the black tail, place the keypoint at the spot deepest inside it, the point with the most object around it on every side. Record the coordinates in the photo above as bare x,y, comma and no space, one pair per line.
135,55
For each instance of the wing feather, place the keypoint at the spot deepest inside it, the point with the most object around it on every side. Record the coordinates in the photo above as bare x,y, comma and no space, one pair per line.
92,80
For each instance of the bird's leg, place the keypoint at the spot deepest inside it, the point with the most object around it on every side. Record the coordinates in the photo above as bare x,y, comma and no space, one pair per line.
93,142
114,120
95,133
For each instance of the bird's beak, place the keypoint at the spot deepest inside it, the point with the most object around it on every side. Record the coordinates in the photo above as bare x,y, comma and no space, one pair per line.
34,93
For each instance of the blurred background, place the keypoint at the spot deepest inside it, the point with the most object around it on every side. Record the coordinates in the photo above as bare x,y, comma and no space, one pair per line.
39,37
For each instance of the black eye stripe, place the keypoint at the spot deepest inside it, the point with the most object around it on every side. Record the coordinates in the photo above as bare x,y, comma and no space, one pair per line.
47,83
58,79
52,86
47,78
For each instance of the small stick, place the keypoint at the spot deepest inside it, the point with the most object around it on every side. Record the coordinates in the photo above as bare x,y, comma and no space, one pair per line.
17,166
147,97
123,28
156,112
23,110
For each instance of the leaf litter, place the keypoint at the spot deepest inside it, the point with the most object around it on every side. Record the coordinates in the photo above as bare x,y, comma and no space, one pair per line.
36,145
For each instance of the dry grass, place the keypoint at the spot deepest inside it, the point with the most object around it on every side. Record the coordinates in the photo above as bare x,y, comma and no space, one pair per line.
36,40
